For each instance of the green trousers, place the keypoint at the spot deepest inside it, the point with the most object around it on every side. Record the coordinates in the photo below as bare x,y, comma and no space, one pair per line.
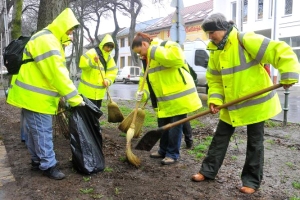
252,173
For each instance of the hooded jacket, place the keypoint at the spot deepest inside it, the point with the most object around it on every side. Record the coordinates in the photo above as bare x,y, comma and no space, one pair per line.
237,71
91,81
40,84
173,86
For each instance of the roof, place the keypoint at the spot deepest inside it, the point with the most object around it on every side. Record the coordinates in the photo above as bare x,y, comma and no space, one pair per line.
139,27
190,14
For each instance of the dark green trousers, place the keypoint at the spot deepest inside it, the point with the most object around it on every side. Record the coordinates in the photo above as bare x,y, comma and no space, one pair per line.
252,173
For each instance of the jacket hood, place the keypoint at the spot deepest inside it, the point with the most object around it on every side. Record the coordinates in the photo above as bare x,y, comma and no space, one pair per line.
65,21
107,39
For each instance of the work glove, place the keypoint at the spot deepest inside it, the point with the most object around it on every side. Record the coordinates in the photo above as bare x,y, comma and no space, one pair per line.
82,103
139,95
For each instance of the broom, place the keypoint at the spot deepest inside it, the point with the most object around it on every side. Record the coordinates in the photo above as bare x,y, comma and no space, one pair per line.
114,112
140,117
133,159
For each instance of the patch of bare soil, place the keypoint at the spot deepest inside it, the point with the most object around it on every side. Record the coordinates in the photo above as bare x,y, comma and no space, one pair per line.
152,180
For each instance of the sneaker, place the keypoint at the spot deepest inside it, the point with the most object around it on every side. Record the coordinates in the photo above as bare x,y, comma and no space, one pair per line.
156,155
35,165
54,173
247,190
198,177
189,144
168,161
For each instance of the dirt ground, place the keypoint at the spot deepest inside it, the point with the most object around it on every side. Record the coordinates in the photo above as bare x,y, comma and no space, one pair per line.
151,180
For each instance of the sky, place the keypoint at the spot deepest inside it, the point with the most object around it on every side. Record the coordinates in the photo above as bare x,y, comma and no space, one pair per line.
148,11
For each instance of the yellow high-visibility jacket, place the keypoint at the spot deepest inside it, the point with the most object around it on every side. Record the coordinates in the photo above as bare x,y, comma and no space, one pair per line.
40,84
237,70
173,85
91,81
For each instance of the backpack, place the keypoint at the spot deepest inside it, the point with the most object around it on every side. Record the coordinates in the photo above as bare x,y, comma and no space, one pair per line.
101,58
13,55
191,70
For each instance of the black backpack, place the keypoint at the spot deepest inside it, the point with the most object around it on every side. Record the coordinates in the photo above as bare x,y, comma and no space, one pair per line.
13,55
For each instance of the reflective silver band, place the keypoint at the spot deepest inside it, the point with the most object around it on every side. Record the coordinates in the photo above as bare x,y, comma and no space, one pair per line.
152,52
252,102
178,95
91,85
289,75
36,89
217,96
71,94
157,69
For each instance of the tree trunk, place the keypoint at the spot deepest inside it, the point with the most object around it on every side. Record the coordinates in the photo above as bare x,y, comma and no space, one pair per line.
16,28
49,10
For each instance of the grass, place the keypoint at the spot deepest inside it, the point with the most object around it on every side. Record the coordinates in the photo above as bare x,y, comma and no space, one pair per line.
296,185
200,150
108,169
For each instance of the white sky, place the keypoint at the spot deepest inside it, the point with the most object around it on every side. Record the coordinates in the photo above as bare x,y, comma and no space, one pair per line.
148,11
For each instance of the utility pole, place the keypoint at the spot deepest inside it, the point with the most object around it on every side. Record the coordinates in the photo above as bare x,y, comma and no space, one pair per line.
6,35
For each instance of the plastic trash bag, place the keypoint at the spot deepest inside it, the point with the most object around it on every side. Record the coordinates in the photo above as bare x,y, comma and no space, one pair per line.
86,138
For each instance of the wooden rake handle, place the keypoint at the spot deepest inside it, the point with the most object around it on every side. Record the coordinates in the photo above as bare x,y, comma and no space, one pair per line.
96,59
142,87
170,125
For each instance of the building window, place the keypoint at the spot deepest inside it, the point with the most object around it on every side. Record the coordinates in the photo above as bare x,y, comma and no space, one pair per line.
233,11
245,11
260,9
122,62
122,42
128,42
294,42
129,61
271,9
288,9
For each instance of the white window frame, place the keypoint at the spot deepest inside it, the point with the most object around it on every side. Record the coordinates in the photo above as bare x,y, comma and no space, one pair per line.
231,8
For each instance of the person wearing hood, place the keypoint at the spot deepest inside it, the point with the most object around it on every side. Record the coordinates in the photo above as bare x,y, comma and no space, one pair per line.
92,85
234,70
39,86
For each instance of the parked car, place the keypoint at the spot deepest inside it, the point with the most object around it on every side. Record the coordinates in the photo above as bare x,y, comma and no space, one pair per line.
129,74
197,56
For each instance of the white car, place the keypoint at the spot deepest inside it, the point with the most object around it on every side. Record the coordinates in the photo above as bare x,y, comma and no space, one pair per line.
129,74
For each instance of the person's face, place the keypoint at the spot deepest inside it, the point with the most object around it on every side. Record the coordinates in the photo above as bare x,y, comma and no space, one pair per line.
216,36
108,47
142,50
70,32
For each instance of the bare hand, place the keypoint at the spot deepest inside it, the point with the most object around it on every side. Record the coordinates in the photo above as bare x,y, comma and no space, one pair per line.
96,59
287,86
213,108
105,83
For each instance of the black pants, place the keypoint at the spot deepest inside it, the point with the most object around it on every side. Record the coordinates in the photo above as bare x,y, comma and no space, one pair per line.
98,103
252,173
187,132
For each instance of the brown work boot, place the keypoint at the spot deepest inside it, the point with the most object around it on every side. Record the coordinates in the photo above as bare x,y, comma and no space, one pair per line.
247,190
168,161
198,177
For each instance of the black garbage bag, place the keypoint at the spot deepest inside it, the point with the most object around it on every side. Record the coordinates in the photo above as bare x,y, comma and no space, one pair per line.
86,138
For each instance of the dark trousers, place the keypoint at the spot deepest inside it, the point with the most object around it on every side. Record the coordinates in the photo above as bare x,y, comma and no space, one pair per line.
170,141
187,132
252,173
98,103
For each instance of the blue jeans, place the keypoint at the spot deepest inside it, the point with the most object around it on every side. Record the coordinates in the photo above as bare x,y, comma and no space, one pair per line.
170,140
39,141
23,127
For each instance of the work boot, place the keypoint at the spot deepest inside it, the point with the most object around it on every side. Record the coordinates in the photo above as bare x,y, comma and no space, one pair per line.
189,144
156,155
247,190
54,173
168,161
35,165
198,177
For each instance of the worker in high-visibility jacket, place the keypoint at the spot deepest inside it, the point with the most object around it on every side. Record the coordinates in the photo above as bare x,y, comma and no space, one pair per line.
235,69
38,87
171,89
92,85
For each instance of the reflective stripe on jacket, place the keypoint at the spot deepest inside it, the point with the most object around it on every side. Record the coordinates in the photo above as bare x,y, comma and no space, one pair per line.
236,71
173,86
91,82
40,84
